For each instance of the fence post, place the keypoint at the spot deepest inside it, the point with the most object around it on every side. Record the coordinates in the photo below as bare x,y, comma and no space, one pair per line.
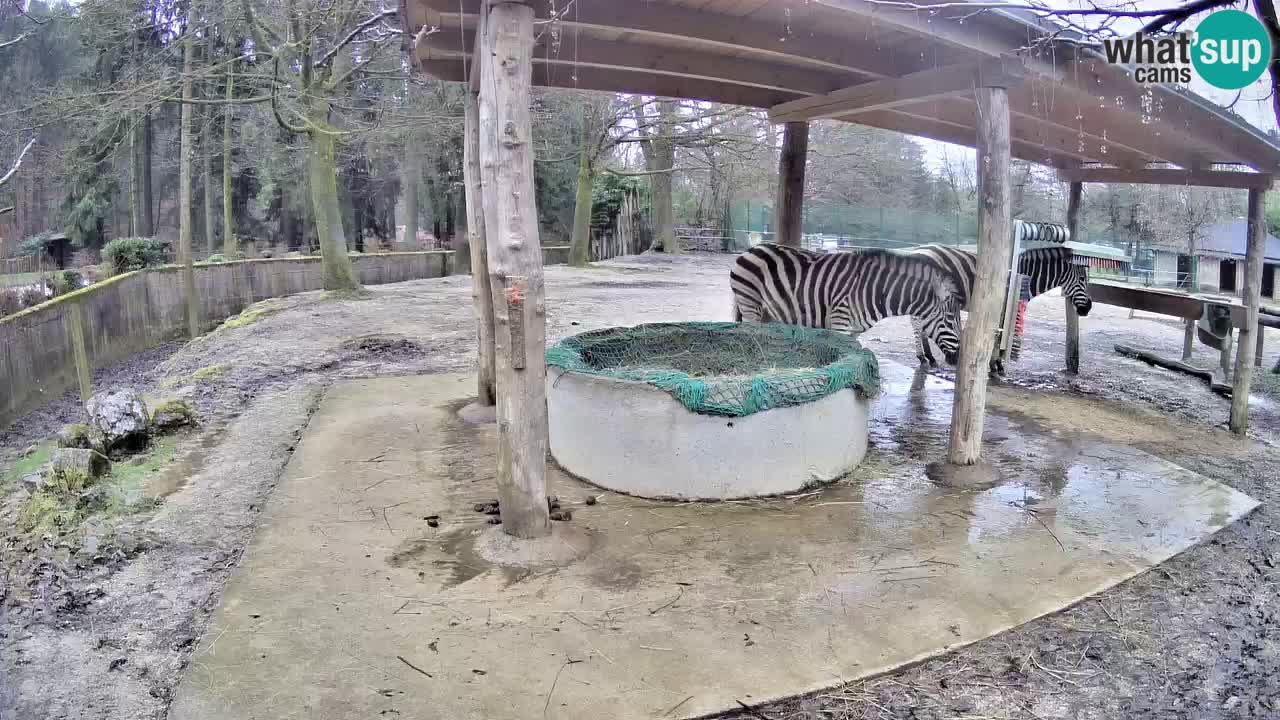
75,330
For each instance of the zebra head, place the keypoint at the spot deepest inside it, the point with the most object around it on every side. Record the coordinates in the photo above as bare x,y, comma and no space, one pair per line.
1076,287
942,326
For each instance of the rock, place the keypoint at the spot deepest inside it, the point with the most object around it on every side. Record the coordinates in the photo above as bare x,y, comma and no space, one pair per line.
121,417
76,435
172,414
33,481
74,469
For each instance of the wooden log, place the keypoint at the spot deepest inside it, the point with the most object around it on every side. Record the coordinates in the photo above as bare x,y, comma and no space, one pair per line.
791,166
1152,359
515,267
481,295
1074,196
1252,300
1188,339
994,254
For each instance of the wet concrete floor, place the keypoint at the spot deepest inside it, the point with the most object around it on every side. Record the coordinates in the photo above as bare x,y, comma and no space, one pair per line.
349,605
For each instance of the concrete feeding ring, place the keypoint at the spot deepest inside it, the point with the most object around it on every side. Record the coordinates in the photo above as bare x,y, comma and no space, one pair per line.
709,411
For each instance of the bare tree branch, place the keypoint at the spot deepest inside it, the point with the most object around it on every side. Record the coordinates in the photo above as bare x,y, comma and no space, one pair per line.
16,163
368,23
15,41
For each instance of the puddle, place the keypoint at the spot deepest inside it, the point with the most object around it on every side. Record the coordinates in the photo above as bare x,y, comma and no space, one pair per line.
175,475
463,563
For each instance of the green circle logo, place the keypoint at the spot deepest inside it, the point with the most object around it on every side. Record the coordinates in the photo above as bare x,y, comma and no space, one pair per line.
1232,49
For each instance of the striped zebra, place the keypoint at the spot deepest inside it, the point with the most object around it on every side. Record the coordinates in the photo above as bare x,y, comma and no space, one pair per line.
1048,268
845,292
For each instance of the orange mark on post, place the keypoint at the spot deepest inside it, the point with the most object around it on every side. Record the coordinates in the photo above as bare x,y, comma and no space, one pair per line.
515,293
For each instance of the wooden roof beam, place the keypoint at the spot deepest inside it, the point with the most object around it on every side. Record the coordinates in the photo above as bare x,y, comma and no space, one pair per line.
1191,124
633,57
958,134
1169,176
1054,142
710,31
906,90
611,80
1100,126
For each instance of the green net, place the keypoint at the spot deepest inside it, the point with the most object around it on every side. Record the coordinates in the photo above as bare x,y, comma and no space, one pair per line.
725,369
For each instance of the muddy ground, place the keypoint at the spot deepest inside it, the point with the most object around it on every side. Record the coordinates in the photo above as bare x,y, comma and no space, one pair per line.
101,624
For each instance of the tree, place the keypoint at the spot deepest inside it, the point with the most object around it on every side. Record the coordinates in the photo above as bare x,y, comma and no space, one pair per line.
321,56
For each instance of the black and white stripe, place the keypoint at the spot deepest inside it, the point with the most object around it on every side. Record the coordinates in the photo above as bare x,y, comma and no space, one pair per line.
845,291
1048,268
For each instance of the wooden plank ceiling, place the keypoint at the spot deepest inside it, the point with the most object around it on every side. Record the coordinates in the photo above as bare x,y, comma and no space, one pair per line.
1071,110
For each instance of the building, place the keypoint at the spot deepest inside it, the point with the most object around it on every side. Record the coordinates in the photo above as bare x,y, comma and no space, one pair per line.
1219,263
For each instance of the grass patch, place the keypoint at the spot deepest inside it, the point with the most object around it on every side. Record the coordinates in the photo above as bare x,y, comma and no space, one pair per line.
46,513
61,510
20,279
27,465
211,372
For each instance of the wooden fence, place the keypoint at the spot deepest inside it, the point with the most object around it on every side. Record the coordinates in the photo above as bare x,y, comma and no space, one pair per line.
52,348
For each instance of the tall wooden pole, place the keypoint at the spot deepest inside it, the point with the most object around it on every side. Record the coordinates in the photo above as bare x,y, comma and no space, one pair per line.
515,267
1252,299
185,256
1074,195
790,201
481,294
995,249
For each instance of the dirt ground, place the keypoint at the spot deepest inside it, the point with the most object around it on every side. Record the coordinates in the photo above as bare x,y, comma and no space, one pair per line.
101,624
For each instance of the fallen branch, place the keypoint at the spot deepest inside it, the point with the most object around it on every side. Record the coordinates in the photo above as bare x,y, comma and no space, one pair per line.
1152,359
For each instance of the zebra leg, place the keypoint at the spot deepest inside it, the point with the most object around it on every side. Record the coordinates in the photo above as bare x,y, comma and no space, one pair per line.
746,311
924,351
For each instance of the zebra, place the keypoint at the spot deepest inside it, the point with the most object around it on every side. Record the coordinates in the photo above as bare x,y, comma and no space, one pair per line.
845,291
1048,268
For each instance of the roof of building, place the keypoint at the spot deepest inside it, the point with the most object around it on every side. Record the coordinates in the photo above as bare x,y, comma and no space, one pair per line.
1232,238
898,67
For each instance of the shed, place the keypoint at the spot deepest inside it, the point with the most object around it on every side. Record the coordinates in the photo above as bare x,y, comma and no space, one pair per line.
1003,81
1219,264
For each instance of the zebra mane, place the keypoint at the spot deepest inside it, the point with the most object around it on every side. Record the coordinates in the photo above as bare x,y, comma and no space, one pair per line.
1047,255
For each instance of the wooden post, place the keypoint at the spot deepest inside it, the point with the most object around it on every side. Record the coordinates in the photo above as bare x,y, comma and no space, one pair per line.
1252,299
481,294
994,253
515,267
1257,352
1188,339
75,328
1073,320
790,200
1224,357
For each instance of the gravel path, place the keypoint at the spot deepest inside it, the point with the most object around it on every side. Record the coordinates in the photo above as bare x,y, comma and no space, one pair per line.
1197,638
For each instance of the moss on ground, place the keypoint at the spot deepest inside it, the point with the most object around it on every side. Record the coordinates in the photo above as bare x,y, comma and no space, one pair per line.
248,317
46,513
63,507
211,372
